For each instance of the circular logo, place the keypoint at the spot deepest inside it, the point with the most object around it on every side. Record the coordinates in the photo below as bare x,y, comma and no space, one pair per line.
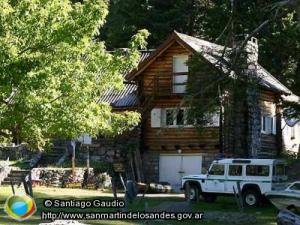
20,207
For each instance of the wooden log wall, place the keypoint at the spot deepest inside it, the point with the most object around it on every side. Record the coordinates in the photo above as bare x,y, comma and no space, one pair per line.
158,77
169,140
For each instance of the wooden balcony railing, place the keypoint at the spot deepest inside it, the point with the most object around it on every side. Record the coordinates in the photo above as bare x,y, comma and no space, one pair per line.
159,86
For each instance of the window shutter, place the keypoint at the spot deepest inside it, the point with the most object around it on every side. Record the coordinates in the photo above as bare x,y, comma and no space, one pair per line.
274,125
156,117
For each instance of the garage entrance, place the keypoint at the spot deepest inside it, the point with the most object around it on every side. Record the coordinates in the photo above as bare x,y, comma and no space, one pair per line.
173,167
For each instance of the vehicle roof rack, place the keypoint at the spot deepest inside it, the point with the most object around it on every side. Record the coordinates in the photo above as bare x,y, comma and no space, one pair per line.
241,161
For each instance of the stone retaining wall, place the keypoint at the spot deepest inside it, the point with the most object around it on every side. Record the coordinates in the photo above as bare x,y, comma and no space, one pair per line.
107,149
13,152
151,167
58,176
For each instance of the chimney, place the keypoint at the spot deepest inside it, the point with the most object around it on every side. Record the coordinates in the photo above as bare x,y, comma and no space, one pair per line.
249,55
251,50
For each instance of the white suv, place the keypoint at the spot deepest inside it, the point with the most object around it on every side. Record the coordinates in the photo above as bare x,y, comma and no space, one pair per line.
255,176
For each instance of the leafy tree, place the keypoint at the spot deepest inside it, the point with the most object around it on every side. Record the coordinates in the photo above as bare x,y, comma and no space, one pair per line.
52,71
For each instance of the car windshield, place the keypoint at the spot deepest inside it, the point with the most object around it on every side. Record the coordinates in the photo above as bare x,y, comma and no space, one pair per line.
295,187
217,169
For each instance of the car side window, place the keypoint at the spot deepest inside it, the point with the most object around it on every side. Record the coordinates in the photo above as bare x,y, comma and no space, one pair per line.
257,170
295,187
235,170
217,169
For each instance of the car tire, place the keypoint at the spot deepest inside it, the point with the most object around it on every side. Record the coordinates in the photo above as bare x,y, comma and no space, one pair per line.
251,198
194,189
208,197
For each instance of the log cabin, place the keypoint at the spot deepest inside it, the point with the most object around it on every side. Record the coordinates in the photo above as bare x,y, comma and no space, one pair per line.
170,144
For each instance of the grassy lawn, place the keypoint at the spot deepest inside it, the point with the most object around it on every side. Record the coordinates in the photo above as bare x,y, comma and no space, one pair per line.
265,215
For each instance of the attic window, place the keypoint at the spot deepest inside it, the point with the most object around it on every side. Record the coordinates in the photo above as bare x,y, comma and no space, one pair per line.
180,72
268,124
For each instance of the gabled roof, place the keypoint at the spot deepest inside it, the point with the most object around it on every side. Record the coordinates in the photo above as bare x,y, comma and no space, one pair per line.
212,53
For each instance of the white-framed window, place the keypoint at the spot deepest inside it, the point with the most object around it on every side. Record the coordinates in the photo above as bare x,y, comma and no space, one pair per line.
268,124
175,117
180,73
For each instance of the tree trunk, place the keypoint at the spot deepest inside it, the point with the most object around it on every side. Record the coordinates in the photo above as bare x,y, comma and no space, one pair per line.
16,135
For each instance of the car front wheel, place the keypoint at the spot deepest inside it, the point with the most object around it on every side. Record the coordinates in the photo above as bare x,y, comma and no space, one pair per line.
192,192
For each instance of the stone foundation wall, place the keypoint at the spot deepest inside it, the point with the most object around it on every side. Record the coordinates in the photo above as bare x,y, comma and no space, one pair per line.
108,149
151,167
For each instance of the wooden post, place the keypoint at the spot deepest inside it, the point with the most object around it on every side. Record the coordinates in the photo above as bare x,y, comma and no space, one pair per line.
236,198
197,194
139,167
122,181
133,177
114,186
25,186
12,187
240,195
73,162
88,160
30,184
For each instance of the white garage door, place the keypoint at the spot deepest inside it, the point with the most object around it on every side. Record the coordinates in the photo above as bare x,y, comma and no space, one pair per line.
173,167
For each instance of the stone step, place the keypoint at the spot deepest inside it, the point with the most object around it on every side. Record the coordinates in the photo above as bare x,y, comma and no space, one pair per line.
15,176
52,156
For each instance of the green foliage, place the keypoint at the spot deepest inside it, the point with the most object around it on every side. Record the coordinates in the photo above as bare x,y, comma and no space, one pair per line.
281,51
159,17
52,71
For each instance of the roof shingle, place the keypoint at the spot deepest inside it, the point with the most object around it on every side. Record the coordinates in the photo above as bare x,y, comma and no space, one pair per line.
127,97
